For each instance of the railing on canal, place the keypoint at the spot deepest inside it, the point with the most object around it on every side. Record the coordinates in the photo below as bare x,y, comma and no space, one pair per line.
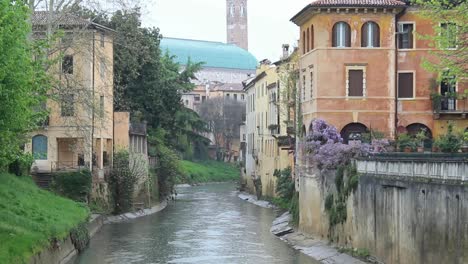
453,167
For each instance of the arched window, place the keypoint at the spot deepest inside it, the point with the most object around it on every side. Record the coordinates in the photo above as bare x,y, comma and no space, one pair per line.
353,132
370,35
308,39
231,10
304,42
242,11
312,37
341,35
39,147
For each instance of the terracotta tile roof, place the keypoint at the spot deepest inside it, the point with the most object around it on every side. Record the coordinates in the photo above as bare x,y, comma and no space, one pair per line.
358,3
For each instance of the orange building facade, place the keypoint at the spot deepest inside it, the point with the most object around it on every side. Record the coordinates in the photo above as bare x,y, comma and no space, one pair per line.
361,68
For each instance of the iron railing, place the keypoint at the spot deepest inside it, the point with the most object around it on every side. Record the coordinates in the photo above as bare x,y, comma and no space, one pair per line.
446,104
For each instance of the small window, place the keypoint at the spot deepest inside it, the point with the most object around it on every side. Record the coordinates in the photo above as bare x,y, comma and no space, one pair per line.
303,87
311,37
405,85
242,97
242,11
197,98
103,38
356,83
67,64
448,33
308,39
102,68
406,36
203,98
341,35
67,105
370,35
304,42
311,83
235,97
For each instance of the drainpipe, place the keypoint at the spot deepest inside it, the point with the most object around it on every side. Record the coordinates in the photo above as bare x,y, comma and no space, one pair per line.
397,17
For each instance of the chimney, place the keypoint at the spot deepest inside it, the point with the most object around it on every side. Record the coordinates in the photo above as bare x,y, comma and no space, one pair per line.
285,51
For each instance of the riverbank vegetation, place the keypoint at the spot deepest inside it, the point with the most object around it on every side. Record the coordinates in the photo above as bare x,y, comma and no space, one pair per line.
288,198
207,171
30,218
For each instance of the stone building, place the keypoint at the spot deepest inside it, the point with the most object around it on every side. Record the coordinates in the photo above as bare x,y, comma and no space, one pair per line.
361,68
237,23
78,132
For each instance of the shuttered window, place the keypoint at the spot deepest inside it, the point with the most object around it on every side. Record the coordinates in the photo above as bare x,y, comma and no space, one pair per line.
370,35
405,40
308,39
304,42
356,83
341,35
405,85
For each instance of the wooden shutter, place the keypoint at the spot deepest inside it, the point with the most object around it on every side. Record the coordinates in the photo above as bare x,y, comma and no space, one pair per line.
405,85
410,35
347,35
304,42
364,33
376,35
356,82
334,34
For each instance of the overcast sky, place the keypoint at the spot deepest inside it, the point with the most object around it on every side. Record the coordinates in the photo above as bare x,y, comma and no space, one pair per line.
269,25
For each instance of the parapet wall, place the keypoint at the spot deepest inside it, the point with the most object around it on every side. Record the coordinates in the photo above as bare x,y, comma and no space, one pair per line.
411,215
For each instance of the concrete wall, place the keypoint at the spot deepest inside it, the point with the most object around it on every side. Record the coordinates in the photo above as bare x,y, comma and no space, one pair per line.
399,221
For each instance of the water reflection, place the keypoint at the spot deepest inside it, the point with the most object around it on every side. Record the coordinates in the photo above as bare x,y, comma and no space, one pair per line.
207,224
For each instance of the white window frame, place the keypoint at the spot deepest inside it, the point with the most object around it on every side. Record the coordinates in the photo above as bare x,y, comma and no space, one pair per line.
364,82
414,35
341,34
414,85
456,37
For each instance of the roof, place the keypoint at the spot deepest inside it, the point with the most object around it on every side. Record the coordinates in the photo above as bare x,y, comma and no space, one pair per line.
40,18
212,54
350,3
235,87
250,82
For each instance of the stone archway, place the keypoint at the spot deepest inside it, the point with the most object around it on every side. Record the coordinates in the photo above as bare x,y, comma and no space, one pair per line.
414,128
353,131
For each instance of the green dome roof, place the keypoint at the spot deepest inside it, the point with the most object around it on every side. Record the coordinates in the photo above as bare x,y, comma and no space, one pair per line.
213,54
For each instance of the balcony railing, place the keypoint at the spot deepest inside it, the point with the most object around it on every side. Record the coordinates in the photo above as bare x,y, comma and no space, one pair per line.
449,104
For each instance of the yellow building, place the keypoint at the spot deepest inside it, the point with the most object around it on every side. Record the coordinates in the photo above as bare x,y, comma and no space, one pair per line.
78,132
268,144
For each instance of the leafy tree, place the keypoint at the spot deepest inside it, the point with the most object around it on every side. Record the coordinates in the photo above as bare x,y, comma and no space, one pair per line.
451,28
23,82
189,140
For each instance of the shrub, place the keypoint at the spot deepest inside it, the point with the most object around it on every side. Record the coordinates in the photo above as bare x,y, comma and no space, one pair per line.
450,142
122,182
73,185
80,237
22,164
404,140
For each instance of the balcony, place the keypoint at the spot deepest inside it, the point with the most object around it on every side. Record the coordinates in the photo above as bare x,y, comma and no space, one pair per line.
450,106
274,129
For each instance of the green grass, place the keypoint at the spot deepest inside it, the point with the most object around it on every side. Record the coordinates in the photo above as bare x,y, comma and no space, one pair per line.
29,217
208,171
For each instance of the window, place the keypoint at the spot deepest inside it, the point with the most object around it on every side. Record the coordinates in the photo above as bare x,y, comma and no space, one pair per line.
448,33
67,105
67,64
356,81
102,39
39,147
242,97
370,35
101,106
308,39
227,96
405,31
231,10
341,35
235,97
242,11
197,98
203,98
311,83
448,87
102,68
311,37
304,42
405,85
303,87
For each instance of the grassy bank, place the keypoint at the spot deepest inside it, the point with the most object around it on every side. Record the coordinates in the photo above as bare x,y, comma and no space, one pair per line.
29,217
208,171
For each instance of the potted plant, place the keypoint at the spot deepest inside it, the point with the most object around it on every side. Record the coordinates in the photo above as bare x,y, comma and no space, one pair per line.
420,138
450,142
464,147
405,142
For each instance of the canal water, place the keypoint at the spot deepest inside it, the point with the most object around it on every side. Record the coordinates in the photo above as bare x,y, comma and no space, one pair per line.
206,224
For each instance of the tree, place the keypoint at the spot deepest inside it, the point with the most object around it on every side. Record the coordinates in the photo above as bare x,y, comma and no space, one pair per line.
23,82
450,36
224,117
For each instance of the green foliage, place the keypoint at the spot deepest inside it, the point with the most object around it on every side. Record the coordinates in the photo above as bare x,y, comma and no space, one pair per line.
405,140
80,237
23,81
371,135
31,217
188,138
294,209
362,253
73,185
346,181
22,164
207,171
122,182
287,198
450,142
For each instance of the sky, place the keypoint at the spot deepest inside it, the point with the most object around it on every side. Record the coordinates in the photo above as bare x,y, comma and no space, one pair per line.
269,25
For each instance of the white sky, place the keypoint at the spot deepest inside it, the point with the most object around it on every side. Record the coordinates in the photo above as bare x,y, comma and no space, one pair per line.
269,25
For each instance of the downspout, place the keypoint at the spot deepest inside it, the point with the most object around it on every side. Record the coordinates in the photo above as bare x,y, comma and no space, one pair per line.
397,17
92,109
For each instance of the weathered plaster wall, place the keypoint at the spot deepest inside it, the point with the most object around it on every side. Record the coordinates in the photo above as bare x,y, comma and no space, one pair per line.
398,221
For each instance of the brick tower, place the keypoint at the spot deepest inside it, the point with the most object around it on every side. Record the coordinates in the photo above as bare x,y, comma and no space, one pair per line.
236,20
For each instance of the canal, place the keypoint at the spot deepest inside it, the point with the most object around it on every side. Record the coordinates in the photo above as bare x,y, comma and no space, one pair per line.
207,224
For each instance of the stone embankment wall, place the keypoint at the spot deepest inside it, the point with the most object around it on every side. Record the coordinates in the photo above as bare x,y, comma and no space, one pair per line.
401,217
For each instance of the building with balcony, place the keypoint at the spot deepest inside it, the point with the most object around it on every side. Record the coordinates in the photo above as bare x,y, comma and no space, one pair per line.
361,69
78,132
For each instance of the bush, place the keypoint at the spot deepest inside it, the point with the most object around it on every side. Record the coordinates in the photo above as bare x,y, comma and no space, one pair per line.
450,142
80,237
21,165
122,183
73,185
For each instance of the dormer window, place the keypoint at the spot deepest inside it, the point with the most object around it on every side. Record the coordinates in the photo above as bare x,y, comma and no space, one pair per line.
341,35
370,35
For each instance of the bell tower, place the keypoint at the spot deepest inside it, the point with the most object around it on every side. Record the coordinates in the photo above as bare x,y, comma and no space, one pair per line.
236,22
